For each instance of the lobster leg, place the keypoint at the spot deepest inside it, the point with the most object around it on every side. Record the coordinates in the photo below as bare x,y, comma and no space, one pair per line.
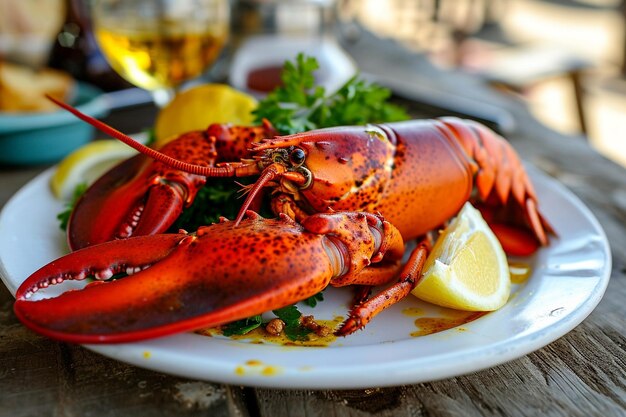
409,277
361,294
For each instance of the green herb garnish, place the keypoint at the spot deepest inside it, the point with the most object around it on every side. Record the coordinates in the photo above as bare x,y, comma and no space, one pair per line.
293,329
290,315
242,326
314,299
64,216
219,197
298,105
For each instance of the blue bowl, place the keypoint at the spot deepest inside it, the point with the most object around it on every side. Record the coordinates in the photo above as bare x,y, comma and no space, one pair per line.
47,137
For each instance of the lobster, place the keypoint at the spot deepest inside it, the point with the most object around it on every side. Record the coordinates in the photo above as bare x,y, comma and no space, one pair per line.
415,175
219,284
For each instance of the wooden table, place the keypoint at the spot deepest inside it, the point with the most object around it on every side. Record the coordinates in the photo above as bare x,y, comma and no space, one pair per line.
580,374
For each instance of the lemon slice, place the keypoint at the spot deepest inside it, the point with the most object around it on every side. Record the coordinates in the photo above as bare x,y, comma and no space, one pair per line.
467,268
86,164
200,106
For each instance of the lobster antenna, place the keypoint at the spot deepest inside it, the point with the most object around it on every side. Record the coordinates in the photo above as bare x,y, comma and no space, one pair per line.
268,174
225,171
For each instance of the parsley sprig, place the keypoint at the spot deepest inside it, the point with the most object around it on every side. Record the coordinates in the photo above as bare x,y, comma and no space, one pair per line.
219,197
242,326
290,315
293,328
299,105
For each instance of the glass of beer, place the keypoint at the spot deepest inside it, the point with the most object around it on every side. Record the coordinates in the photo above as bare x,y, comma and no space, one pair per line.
159,44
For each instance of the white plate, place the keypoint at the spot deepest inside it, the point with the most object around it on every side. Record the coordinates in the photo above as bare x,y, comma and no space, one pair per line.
568,280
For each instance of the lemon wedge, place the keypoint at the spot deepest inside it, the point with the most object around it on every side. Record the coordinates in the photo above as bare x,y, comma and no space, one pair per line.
200,106
467,268
86,164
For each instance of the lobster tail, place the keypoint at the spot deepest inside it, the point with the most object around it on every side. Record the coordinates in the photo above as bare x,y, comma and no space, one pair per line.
504,192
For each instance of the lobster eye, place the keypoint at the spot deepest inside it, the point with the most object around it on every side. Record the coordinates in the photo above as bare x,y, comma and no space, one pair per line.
297,156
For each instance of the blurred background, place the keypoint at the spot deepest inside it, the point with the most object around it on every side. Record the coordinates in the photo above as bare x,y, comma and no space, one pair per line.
564,58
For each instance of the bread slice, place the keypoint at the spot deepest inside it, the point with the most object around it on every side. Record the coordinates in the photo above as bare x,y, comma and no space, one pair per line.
24,90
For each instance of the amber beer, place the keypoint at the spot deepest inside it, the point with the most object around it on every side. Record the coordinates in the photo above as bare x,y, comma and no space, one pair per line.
153,59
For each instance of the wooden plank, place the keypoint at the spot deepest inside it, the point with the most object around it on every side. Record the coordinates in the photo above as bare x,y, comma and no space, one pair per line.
581,374
39,377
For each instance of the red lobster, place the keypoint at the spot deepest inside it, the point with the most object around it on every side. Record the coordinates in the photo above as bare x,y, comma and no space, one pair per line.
417,174
383,168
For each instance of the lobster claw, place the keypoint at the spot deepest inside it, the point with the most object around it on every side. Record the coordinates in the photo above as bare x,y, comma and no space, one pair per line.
137,197
114,203
182,282
101,306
